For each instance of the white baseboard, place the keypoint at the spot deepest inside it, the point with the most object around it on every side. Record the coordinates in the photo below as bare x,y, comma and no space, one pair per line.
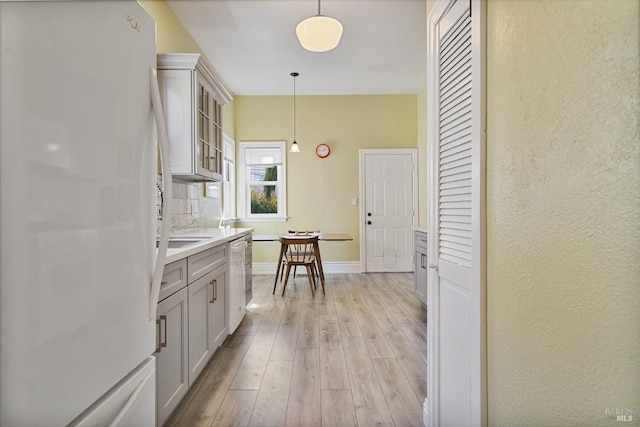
328,267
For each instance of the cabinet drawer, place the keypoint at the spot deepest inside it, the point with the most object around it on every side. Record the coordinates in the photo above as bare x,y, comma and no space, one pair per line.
174,278
201,263
420,239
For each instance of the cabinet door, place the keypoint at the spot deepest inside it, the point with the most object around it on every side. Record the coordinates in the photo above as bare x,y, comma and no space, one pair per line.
200,343
171,360
209,129
421,275
176,93
217,307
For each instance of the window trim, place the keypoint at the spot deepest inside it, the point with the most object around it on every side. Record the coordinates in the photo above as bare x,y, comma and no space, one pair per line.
231,187
243,195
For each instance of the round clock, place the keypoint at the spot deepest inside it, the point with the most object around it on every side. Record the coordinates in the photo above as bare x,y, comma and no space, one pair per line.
322,150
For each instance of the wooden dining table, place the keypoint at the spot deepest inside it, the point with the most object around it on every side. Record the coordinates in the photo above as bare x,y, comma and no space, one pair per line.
326,237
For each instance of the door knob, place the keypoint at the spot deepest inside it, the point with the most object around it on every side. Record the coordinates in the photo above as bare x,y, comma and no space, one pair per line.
368,222
368,213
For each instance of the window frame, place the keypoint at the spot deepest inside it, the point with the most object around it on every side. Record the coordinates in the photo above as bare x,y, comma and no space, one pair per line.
229,187
244,181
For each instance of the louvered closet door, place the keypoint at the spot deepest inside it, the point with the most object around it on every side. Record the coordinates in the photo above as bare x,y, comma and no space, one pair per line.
455,234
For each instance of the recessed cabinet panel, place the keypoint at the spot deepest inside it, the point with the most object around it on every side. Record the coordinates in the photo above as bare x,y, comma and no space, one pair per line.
174,278
200,344
205,261
217,308
175,91
171,359
207,319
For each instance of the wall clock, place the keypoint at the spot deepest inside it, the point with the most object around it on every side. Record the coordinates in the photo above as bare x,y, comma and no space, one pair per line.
322,150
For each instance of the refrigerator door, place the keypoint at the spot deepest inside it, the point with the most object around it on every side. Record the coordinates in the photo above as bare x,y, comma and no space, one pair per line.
130,403
77,198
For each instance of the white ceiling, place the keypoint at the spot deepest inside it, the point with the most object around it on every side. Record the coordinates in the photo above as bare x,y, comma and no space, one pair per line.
253,45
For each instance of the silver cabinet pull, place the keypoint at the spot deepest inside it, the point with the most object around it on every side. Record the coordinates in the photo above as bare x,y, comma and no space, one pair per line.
161,343
164,343
214,291
433,266
158,340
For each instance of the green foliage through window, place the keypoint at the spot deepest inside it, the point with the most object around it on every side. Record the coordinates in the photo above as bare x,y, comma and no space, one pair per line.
264,199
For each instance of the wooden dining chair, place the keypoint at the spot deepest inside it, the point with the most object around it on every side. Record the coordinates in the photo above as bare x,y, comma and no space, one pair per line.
315,264
299,251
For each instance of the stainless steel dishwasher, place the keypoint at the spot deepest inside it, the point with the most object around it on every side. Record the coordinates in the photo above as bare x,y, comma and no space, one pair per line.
237,305
248,281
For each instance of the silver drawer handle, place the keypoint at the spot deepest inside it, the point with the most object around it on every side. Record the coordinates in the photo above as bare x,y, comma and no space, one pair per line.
161,343
214,293
433,266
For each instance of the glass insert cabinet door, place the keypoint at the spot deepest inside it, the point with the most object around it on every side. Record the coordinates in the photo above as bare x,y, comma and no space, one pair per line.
209,130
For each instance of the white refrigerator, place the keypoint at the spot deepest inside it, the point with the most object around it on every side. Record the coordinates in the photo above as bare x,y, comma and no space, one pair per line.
79,270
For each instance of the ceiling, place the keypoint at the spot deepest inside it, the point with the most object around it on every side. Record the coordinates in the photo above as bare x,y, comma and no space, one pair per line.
253,46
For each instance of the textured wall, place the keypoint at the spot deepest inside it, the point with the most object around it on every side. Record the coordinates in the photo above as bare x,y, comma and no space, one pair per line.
319,191
563,207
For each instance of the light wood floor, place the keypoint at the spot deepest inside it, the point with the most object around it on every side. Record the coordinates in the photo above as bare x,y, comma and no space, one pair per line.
355,356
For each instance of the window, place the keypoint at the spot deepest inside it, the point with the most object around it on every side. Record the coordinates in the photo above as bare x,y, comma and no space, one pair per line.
262,189
229,178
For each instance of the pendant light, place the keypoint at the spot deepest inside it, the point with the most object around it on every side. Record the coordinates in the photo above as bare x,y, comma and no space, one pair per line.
319,33
294,146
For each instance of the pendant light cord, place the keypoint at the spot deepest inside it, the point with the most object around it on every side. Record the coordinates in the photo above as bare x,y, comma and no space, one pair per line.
294,75
319,8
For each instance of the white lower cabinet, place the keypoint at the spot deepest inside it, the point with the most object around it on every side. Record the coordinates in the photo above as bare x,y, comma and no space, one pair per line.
192,324
207,326
171,355
218,314
420,277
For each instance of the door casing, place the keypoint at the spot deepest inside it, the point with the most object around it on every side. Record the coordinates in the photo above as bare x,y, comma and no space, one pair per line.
433,413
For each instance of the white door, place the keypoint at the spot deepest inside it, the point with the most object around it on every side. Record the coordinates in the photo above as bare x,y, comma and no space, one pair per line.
456,289
387,213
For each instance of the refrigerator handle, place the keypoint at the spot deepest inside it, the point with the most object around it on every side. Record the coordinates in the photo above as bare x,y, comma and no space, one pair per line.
163,145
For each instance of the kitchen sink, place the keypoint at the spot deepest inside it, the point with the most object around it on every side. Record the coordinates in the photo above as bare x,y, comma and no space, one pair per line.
178,243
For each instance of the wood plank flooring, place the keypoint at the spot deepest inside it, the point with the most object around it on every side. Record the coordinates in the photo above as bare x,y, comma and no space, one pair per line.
353,357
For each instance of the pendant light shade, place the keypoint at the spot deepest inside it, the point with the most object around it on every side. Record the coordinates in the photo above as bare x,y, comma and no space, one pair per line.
319,33
294,146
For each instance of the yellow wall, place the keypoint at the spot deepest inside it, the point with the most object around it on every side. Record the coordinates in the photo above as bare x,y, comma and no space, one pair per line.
319,191
563,209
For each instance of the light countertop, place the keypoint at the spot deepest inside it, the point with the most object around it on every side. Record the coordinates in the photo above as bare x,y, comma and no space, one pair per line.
211,237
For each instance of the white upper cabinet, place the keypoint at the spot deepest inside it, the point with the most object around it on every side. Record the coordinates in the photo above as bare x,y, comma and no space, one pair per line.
192,98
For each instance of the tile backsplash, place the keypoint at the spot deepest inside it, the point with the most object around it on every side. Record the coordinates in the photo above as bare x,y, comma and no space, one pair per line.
191,209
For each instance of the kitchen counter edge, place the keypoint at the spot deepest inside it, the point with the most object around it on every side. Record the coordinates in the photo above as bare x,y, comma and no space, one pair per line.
212,237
